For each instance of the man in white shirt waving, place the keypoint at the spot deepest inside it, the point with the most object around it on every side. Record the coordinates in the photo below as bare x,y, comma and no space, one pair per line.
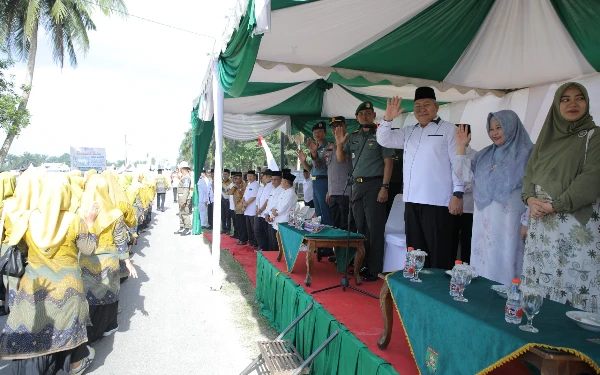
432,192
276,189
250,206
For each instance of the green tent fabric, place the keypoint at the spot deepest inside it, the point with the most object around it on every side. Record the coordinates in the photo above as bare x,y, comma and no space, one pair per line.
307,102
281,300
581,20
260,88
203,133
447,25
237,61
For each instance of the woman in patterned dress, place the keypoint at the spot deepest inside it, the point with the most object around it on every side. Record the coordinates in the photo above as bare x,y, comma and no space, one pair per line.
46,330
562,189
100,270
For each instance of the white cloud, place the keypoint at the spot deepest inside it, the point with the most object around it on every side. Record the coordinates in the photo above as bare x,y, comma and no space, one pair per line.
138,79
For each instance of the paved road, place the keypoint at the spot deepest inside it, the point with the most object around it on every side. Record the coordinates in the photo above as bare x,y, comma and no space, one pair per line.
171,322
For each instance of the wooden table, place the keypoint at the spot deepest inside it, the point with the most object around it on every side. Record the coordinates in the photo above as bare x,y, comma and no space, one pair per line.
314,243
549,362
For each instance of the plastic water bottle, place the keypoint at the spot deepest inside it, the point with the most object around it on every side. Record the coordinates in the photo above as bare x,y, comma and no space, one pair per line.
513,312
453,291
407,265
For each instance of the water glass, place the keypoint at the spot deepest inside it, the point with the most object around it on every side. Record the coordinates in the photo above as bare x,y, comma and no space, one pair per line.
533,297
418,261
462,278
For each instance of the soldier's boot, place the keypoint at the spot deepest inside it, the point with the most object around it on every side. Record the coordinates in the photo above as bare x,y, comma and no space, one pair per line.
186,232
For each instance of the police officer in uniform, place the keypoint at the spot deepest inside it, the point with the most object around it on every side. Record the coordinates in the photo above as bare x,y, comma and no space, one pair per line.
318,174
161,184
184,197
372,172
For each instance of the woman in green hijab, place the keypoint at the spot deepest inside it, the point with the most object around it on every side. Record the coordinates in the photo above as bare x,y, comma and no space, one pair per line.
562,189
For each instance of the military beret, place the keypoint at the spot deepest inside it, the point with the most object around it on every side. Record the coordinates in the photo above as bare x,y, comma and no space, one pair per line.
424,93
290,177
363,106
276,173
319,125
337,119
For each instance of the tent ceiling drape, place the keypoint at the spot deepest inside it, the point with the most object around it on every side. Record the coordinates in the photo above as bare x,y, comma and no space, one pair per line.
473,52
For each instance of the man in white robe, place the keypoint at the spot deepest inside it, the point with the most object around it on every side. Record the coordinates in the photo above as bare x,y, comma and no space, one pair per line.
203,199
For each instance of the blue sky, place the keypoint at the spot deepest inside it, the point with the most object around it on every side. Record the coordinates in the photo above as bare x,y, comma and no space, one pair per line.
139,79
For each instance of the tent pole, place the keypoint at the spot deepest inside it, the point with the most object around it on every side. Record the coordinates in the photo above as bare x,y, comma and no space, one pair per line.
281,150
216,278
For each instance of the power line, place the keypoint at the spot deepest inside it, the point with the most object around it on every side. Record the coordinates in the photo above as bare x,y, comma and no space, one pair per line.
148,20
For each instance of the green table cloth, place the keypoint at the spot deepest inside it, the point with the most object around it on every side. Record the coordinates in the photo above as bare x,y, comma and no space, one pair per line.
291,240
451,337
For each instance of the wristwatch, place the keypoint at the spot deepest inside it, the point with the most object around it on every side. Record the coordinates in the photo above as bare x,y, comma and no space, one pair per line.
458,194
385,186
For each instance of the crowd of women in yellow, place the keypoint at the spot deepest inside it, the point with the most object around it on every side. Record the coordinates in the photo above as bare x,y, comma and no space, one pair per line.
76,233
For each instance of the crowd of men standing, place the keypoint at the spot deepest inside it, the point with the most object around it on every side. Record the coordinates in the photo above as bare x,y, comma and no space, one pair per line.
353,182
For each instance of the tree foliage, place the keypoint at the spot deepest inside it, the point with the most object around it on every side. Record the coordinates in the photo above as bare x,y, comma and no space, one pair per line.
242,155
12,118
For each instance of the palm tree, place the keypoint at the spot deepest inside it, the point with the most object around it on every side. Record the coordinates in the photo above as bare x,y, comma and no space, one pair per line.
66,22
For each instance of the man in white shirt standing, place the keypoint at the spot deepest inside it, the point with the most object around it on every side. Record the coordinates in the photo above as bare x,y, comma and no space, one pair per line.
286,200
432,192
271,204
307,190
211,196
250,206
203,199
261,227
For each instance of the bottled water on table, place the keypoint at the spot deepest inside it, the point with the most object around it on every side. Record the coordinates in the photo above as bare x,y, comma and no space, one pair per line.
513,312
453,291
408,268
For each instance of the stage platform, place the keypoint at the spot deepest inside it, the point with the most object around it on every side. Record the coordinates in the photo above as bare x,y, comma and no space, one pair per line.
284,296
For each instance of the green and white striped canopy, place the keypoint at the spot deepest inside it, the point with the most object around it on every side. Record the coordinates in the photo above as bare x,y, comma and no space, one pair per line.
320,59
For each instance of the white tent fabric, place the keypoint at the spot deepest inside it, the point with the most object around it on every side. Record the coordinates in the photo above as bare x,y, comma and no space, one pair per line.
258,103
549,50
250,127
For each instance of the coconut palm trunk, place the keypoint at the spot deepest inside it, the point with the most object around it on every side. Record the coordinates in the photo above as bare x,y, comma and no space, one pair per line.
14,130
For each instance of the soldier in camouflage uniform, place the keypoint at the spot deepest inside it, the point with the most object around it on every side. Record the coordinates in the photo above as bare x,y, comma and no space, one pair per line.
184,197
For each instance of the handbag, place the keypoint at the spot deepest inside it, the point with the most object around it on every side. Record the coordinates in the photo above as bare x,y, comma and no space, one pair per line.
12,263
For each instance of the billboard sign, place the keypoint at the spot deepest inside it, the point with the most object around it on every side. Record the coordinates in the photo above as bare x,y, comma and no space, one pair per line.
85,158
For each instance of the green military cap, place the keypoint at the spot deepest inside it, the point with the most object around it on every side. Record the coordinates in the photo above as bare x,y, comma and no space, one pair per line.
363,106
337,120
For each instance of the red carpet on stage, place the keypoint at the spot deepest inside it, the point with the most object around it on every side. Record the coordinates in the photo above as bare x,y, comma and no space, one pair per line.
361,314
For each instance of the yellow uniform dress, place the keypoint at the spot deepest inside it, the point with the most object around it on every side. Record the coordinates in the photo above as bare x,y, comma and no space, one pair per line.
50,312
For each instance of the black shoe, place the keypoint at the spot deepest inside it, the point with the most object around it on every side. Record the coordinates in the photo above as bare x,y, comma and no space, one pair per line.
332,260
326,251
363,271
186,232
241,243
369,277
179,231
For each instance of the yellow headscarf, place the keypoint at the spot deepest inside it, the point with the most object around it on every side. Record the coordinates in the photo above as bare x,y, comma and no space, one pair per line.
8,181
75,173
76,183
115,190
25,199
134,188
51,218
97,190
88,174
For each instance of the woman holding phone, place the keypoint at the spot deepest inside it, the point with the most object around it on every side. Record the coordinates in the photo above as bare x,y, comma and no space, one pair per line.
496,173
